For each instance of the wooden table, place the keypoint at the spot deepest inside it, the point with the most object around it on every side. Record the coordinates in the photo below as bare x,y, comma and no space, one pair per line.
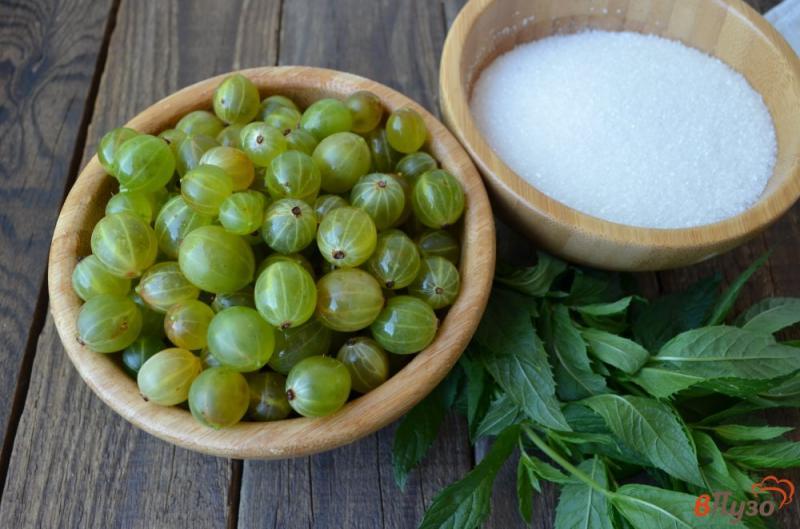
71,70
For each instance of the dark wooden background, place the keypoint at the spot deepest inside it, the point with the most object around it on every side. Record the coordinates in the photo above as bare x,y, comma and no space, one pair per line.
71,70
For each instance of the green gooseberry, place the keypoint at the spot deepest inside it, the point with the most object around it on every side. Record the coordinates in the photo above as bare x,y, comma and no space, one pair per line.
191,150
219,397
342,159
125,244
186,324
108,323
293,174
326,117
285,294
396,262
234,162
242,212
301,140
406,131
262,143
236,99
163,285
366,110
318,386
165,378
216,261
406,325
90,278
174,222
200,122
366,361
289,225
137,353
437,199
346,237
414,165
268,401
296,343
325,203
143,163
348,299
110,144
240,338
205,188
381,196
437,283
439,243
384,157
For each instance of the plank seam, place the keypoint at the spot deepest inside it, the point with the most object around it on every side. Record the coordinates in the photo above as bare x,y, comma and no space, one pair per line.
40,311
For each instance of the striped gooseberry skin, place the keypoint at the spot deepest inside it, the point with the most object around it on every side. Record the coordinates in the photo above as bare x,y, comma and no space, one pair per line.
216,261
164,285
205,188
174,222
342,159
242,212
437,199
186,324
295,344
230,136
301,140
234,162
326,203
383,155
173,138
381,196
291,257
439,243
236,99
200,122
347,237
262,143
144,163
110,144
125,244
406,325
191,150
239,337
414,165
108,323
348,299
437,283
90,278
318,386
366,361
165,378
219,397
285,294
269,104
242,298
325,117
284,119
293,174
289,225
137,203
152,321
268,400
395,263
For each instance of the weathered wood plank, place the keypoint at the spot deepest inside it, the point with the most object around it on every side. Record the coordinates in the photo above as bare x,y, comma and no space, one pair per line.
398,44
75,463
48,56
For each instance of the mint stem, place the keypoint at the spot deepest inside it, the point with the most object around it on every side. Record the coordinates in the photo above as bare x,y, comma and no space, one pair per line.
558,458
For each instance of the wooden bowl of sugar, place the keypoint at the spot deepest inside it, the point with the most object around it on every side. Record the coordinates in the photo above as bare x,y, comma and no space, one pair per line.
568,172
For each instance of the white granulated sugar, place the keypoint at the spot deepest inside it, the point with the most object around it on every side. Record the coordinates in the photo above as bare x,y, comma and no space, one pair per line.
631,128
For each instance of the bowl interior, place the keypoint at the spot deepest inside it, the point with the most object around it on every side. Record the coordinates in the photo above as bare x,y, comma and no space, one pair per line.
727,29
293,437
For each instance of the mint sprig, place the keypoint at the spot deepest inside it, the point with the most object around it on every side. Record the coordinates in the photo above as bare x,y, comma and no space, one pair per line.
592,383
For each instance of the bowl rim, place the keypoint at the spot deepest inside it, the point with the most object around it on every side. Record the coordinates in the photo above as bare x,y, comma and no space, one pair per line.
297,436
455,109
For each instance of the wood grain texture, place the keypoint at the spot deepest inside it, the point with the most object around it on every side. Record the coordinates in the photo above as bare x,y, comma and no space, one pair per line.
75,462
48,55
398,44
727,29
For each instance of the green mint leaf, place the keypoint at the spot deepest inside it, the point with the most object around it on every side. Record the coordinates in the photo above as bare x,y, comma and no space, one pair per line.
527,482
465,504
675,313
418,429
713,467
593,286
647,507
574,376
652,429
501,413
786,389
737,433
515,357
728,298
543,470
727,352
613,308
626,355
582,507
784,454
532,281
478,391
771,315
663,383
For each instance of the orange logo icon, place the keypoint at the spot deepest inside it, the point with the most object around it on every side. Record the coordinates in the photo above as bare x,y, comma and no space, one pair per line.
782,487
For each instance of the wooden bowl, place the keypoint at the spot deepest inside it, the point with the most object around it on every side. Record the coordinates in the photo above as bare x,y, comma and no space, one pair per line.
727,29
293,437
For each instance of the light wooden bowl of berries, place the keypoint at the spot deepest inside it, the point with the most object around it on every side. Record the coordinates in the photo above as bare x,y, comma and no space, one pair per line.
285,260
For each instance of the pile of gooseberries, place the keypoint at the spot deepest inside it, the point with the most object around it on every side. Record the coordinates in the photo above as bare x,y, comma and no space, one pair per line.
262,260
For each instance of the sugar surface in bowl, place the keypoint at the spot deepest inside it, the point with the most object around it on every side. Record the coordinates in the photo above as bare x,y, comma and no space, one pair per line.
631,128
